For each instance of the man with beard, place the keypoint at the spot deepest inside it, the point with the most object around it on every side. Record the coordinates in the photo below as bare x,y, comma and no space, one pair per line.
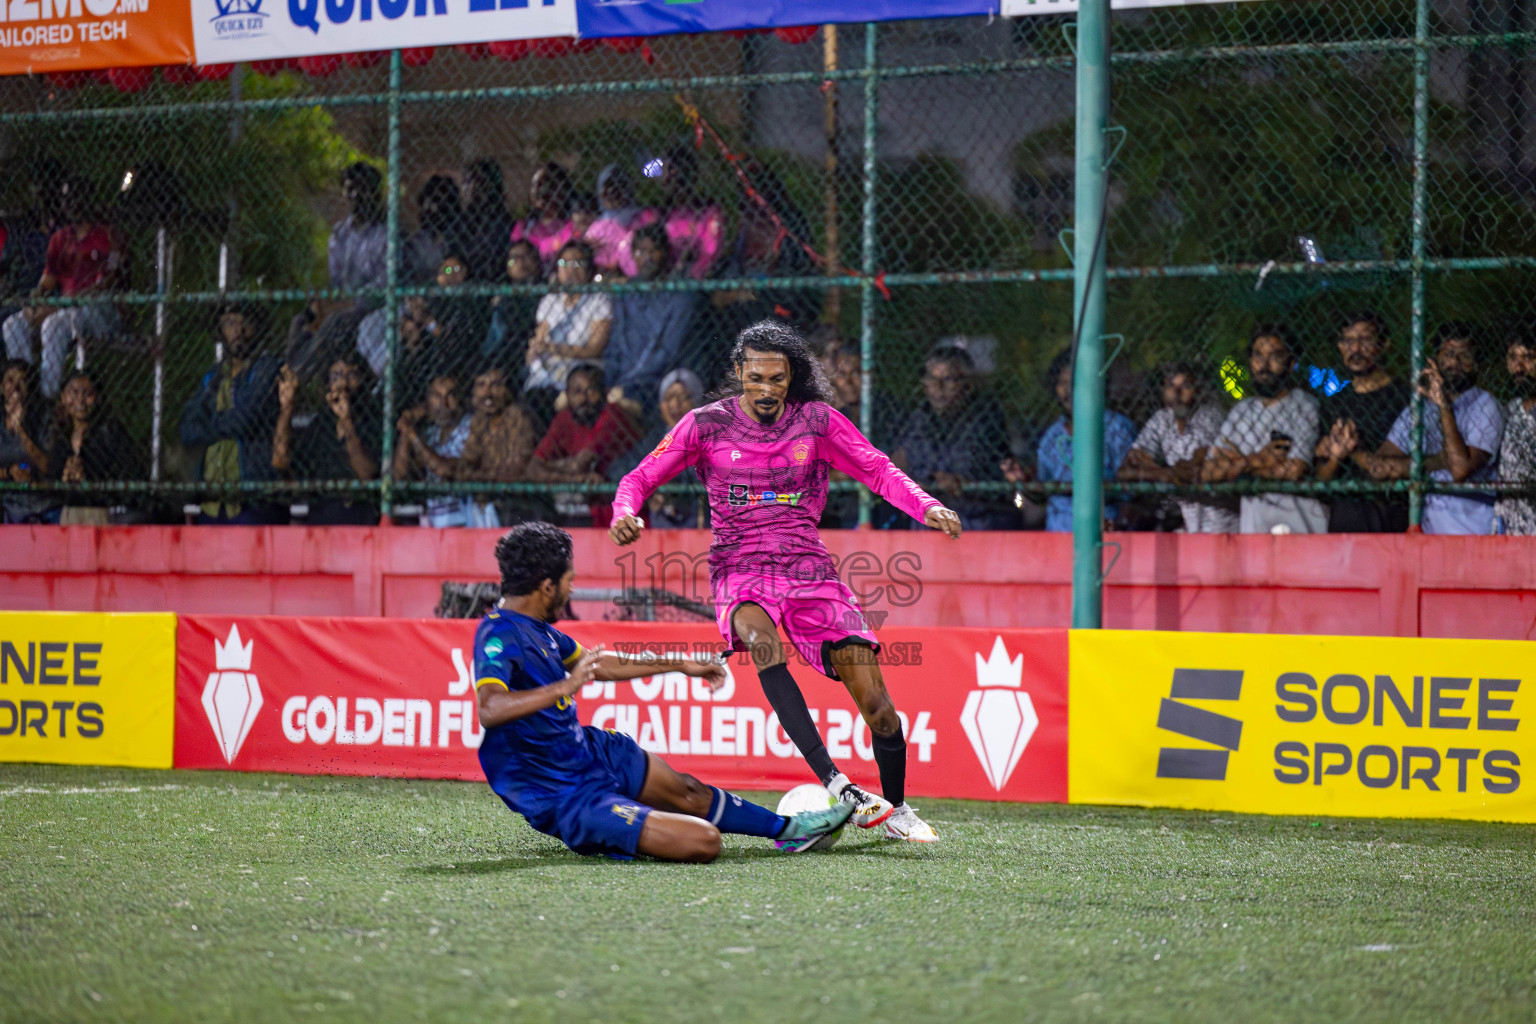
1463,428
583,438
430,439
1517,455
500,445
1270,436
1360,414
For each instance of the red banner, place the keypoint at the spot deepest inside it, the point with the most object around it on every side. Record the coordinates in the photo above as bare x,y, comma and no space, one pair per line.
985,710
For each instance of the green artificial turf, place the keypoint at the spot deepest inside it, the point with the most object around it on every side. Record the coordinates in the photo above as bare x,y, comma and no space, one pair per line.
203,896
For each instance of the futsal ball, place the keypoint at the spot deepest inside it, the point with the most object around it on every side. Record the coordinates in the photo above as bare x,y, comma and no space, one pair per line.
809,797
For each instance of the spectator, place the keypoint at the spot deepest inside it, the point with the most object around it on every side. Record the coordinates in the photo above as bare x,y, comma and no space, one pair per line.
1516,514
500,445
440,219
1463,428
584,214
648,327
486,225
232,416
89,444
340,442
695,225
84,258
611,237
548,227
572,328
24,438
583,440
957,435
767,245
845,372
1172,446
514,317
1358,417
1055,458
430,438
1270,436
441,335
356,257
23,252
681,390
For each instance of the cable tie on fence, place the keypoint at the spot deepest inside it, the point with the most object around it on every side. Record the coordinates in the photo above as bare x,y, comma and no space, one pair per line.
880,286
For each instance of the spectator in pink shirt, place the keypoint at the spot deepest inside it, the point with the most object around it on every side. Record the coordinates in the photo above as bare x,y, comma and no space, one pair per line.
695,225
612,235
548,227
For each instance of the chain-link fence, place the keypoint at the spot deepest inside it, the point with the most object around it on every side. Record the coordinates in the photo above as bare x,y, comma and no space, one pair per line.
341,285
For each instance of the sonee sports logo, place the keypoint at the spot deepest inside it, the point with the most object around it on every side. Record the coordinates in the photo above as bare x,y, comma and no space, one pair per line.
1199,724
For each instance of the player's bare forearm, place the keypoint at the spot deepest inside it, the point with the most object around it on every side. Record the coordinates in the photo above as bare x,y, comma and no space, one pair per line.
617,666
499,705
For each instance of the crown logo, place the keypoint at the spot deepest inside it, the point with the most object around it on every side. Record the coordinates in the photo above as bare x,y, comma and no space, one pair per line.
997,670
230,655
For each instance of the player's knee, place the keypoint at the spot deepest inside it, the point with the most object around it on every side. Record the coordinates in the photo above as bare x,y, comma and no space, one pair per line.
880,715
703,845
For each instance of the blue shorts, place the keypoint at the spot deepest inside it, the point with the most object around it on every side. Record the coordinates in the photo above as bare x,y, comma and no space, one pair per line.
598,812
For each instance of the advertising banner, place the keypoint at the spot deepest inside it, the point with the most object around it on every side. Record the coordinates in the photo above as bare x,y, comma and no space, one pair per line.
985,711
87,688
660,17
241,30
79,35
1355,726
1021,8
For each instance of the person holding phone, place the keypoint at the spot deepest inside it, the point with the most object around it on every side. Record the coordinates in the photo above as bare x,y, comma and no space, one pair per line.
1270,435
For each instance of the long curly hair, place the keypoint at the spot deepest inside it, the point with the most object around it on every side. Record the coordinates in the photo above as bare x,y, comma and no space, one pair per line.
808,381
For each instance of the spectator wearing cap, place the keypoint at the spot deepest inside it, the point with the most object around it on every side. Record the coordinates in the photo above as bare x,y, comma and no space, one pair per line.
1463,429
583,440
89,444
649,328
548,226
1516,513
1054,461
1270,435
611,236
1172,445
680,391
338,443
486,226
24,437
232,416
1357,418
85,257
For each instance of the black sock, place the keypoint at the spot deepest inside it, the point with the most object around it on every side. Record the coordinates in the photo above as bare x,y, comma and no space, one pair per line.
891,757
795,719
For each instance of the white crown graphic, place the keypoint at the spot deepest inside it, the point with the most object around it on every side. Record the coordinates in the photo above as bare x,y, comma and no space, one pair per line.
232,656
999,718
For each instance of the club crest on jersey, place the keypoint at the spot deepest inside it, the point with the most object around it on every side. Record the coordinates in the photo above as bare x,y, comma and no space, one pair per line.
801,451
666,443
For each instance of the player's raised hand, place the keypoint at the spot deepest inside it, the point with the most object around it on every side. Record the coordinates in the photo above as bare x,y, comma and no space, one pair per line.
941,518
626,530
711,670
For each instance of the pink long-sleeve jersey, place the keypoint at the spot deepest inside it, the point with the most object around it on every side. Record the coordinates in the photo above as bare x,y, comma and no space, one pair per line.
767,483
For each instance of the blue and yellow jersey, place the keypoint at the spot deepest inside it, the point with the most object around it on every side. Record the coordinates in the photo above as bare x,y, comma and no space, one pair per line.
547,749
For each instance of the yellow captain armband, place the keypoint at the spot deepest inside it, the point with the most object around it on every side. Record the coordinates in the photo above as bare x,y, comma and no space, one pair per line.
488,681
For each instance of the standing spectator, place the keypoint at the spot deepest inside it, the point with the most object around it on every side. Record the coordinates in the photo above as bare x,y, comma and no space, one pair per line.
957,435
340,442
583,439
85,257
695,225
573,328
1358,417
548,226
232,416
430,440
1172,446
514,317
611,237
1463,428
89,444
1055,458
1270,436
501,441
356,259
486,225
1517,454
648,327
681,390
24,437
23,250
440,220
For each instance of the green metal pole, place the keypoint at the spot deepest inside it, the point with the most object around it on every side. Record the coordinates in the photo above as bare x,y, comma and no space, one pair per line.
391,299
1420,228
1088,283
867,260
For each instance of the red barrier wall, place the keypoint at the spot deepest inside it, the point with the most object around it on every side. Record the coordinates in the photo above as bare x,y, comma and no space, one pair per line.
1393,585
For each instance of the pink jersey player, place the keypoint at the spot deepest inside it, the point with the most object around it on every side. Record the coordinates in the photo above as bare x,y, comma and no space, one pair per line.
765,458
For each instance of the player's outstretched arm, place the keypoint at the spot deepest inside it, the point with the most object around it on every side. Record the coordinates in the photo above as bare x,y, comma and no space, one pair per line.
499,705
671,456
850,452
621,665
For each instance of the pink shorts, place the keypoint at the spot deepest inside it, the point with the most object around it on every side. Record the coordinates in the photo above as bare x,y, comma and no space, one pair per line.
815,616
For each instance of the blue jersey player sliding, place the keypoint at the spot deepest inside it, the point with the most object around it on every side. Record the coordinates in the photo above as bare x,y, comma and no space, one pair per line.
595,791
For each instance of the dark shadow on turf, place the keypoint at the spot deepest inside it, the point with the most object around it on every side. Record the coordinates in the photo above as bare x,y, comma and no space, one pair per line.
561,859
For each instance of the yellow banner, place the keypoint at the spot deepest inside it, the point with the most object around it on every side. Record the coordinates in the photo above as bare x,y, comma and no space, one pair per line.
87,688
1356,726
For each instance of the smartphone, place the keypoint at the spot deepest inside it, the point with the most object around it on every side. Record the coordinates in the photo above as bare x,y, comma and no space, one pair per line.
1280,435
